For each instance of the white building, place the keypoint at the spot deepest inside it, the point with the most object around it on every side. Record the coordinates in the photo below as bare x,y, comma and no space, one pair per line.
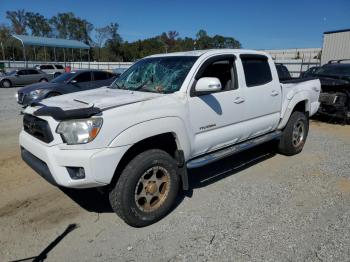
336,45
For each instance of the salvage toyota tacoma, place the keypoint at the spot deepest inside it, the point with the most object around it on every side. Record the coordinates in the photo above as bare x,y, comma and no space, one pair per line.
166,114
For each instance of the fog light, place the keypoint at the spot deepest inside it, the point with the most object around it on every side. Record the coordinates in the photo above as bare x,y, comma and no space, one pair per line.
76,172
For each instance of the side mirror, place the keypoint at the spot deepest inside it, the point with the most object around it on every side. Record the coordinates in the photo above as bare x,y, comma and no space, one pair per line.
207,85
16,74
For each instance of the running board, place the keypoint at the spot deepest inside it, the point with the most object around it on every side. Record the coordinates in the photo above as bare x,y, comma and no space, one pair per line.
217,155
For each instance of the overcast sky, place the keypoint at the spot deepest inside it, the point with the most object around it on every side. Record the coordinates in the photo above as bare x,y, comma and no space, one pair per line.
268,24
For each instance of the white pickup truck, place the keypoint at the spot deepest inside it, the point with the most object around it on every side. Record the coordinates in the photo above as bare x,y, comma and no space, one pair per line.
166,114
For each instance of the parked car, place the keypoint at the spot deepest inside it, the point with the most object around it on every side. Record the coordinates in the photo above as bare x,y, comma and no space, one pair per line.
283,72
55,70
310,72
166,114
335,95
69,82
22,77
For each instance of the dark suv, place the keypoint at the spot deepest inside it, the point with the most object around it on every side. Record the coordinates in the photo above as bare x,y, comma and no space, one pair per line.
69,82
335,84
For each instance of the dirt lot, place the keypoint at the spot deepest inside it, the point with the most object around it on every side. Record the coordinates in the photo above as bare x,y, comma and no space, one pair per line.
252,207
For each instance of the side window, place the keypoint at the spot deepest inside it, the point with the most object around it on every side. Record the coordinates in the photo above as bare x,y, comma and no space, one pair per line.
44,67
59,66
83,77
21,72
32,72
100,75
224,70
256,70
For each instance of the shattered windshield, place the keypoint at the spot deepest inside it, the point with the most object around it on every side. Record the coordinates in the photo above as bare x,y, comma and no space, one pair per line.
158,75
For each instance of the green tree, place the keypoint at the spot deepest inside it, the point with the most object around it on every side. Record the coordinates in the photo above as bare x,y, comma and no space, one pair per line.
68,26
18,20
169,40
203,40
4,36
114,41
102,34
38,24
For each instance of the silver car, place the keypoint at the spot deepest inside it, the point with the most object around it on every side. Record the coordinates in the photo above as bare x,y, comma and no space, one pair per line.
21,77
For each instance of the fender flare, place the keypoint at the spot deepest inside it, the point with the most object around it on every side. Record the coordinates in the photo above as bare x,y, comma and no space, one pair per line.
153,127
287,110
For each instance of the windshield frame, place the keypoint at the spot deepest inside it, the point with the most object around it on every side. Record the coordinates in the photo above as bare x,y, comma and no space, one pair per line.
191,60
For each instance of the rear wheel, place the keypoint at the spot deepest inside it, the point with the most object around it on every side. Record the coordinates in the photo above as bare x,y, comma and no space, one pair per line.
146,189
6,83
56,75
294,134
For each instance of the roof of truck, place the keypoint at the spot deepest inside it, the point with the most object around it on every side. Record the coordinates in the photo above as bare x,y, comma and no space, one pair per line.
210,51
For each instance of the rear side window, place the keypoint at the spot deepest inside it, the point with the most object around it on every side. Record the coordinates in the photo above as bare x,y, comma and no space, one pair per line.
46,67
83,77
59,66
100,75
32,72
256,70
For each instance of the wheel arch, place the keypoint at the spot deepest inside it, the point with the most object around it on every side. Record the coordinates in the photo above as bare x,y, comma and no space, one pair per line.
300,103
6,79
169,135
165,141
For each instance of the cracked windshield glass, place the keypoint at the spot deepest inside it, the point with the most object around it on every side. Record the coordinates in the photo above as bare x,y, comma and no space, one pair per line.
158,75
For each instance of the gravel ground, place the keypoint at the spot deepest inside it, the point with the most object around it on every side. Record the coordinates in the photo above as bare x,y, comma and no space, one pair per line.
257,206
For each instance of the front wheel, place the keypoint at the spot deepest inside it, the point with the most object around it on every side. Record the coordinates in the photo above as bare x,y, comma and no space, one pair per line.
294,134
146,189
6,83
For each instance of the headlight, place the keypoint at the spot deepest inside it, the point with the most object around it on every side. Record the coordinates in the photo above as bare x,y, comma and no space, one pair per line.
37,93
79,131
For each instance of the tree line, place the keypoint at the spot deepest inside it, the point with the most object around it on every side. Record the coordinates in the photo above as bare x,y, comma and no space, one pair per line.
105,42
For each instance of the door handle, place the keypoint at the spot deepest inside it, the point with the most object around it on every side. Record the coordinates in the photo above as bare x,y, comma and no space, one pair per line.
239,100
274,93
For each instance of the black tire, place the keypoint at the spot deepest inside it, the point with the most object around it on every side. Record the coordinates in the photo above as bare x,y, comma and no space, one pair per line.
123,196
43,80
6,83
56,75
289,143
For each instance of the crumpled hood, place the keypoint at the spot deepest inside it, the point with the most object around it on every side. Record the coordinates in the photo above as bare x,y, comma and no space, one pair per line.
102,98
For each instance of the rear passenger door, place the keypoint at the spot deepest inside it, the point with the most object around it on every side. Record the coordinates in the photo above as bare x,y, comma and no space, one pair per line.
33,76
101,78
262,93
83,81
21,77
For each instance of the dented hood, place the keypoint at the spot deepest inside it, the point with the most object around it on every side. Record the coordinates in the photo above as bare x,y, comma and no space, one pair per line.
102,98
87,103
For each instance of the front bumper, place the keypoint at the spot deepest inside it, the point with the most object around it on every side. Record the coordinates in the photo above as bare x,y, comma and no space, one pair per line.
51,162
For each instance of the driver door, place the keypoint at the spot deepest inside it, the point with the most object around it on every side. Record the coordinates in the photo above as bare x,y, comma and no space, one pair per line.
216,118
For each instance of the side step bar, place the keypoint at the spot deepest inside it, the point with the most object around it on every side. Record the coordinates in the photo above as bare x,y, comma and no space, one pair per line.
227,151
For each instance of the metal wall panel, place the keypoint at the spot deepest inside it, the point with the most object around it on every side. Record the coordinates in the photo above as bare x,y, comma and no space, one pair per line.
336,46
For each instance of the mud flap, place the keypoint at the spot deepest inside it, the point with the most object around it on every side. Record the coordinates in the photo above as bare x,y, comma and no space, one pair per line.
180,159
